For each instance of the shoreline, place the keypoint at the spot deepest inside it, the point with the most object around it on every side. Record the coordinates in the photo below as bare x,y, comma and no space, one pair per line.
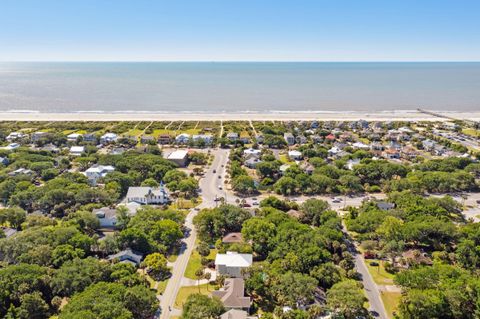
265,116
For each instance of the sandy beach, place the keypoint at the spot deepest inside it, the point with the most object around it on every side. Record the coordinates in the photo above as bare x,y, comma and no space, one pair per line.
321,116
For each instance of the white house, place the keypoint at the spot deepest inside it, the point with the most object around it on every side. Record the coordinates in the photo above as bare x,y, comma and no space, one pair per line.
232,136
179,157
148,195
232,263
107,217
295,155
11,146
108,138
77,150
96,172
73,137
361,146
14,136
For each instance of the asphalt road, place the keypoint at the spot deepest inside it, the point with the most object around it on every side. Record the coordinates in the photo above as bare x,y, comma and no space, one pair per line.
209,191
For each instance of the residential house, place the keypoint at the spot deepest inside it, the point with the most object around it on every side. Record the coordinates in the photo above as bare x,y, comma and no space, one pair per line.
9,232
179,157
250,152
90,138
244,137
351,163
316,139
295,155
376,146
127,256
39,135
232,136
183,138
283,168
391,154
117,151
21,171
236,314
301,140
231,238
361,146
307,168
385,205
414,257
147,139
96,172
232,263
252,162
164,139
4,161
11,146
330,137
429,145
148,195
15,136
107,217
77,150
289,138
259,138
73,137
204,138
108,138
232,294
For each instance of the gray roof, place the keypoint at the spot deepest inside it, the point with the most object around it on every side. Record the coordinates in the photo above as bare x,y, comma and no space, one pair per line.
142,191
232,294
127,255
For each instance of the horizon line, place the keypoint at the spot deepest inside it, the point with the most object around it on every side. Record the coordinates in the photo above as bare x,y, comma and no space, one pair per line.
239,61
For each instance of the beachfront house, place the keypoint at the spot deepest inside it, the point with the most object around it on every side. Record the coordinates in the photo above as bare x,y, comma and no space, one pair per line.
183,138
148,195
164,139
96,172
232,263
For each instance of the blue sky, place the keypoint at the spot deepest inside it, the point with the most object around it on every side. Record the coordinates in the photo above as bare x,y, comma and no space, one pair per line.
240,30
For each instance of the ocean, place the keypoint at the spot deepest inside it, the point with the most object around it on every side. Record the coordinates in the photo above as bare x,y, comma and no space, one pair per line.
58,87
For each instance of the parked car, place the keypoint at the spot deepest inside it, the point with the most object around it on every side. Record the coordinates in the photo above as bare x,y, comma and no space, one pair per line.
255,203
369,255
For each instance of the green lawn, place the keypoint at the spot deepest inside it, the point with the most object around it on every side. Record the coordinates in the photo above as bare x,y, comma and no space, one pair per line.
161,286
285,159
194,263
391,300
184,292
471,131
379,275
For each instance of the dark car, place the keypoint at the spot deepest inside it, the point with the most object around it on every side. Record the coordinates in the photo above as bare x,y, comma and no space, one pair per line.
369,255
